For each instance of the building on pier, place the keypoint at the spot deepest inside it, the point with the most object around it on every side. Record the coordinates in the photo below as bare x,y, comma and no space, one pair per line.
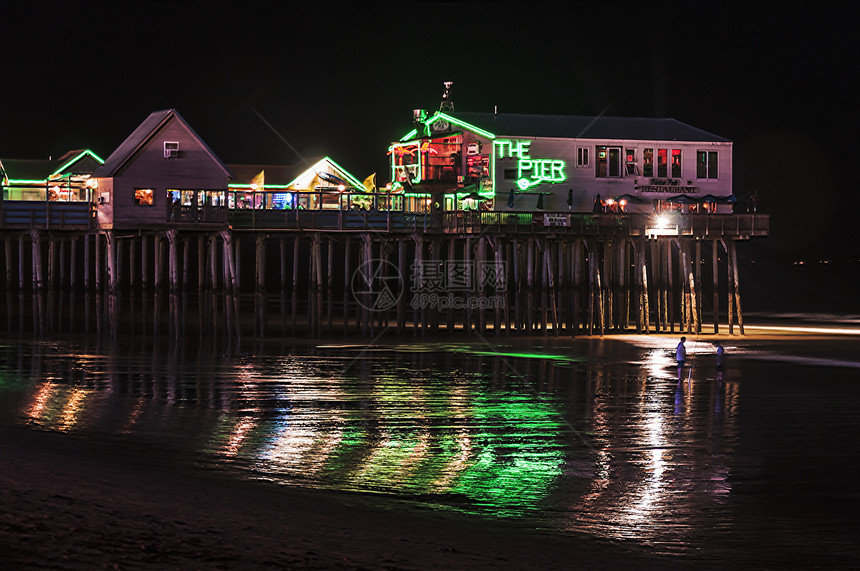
531,163
317,183
162,174
49,193
562,213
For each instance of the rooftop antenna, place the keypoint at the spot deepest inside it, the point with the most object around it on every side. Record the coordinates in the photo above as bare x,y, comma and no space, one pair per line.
447,103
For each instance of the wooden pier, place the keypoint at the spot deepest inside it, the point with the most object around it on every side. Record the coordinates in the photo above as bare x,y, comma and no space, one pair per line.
345,272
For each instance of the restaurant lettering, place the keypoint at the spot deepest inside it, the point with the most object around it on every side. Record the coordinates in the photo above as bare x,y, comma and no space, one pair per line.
668,186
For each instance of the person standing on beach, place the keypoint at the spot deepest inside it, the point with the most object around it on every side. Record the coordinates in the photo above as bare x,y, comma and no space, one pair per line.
681,355
721,353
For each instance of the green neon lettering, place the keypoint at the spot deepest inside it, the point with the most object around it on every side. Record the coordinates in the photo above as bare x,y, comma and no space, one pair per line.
530,172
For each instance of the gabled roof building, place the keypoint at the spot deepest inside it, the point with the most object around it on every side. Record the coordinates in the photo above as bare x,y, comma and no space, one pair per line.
523,162
163,173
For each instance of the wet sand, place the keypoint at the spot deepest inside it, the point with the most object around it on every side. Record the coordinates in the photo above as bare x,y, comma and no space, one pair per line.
69,503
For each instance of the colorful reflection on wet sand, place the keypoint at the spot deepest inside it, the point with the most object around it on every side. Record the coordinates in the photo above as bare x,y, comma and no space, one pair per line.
593,436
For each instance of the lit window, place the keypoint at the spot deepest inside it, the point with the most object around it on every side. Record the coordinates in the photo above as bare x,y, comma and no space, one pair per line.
676,163
630,162
608,162
706,164
648,162
662,163
144,196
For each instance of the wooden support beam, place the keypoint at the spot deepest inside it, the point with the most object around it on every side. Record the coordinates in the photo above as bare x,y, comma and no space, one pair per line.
670,289
132,264
201,263
516,258
213,264
499,282
450,277
510,291
294,302
554,297
730,284
260,260
347,283
186,261
401,301
530,286
111,254
697,305
97,261
172,261
7,249
542,269
73,263
737,286
36,240
63,265
21,272
330,284
716,278
237,264
480,283
576,276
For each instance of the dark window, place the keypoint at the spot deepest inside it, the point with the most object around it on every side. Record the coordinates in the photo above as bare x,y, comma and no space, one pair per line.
582,157
510,174
706,164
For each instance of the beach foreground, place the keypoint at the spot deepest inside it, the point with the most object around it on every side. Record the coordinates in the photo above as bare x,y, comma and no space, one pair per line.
68,503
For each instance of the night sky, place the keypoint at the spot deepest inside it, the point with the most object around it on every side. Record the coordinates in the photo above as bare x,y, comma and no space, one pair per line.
777,78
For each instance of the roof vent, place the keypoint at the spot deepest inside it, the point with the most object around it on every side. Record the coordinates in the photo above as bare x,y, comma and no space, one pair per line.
171,149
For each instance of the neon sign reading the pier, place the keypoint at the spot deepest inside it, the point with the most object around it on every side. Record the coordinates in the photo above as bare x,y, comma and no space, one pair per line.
530,171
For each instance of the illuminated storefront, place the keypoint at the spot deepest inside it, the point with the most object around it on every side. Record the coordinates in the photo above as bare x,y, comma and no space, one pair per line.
526,163
66,179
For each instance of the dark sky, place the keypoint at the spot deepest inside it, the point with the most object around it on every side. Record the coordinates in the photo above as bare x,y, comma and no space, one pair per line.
777,78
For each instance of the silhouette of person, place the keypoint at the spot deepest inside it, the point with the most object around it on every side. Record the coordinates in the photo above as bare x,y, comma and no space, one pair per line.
721,354
681,355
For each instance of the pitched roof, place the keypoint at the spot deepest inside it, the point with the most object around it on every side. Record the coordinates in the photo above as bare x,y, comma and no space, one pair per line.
290,174
79,162
587,127
27,169
274,174
142,135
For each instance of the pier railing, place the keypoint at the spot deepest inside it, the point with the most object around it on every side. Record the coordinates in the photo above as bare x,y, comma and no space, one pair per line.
46,214
331,220
703,225
54,215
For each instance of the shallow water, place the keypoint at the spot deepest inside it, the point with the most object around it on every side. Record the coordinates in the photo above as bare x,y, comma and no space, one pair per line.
593,436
